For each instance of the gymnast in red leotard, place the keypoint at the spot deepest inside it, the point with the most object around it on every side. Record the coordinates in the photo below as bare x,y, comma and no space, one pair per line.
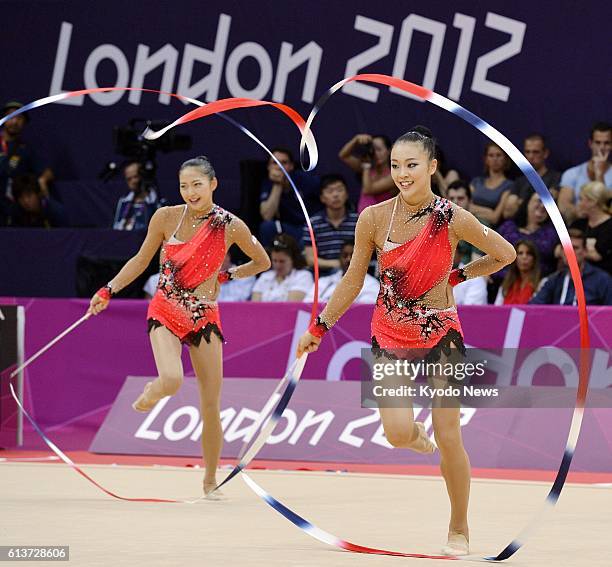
415,235
193,238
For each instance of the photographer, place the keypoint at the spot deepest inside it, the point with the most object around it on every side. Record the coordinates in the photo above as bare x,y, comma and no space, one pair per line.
135,209
18,157
368,156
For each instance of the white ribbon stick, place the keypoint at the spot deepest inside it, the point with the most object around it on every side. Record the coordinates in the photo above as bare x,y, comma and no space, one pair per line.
50,344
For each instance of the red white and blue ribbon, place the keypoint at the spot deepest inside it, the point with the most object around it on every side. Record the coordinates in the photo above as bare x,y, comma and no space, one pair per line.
519,159
294,373
308,143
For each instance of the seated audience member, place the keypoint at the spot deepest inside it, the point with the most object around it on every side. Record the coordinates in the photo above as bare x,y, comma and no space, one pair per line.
458,192
596,223
18,158
558,289
327,284
533,223
233,290
369,157
134,210
32,208
475,293
332,226
489,193
287,280
536,152
279,208
523,276
596,169
443,176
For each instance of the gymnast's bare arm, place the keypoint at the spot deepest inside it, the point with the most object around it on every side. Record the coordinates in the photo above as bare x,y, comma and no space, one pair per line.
351,283
241,236
498,251
138,263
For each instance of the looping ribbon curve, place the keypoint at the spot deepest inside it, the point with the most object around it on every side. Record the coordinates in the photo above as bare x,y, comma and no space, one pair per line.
308,143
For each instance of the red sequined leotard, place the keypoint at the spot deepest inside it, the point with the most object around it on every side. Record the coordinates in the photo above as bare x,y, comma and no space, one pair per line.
184,267
403,319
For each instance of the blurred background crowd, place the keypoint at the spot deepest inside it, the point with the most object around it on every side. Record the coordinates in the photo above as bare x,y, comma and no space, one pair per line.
498,194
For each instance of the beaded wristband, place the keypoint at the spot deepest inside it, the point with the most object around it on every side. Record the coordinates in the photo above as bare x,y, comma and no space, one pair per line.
105,292
457,276
318,328
225,276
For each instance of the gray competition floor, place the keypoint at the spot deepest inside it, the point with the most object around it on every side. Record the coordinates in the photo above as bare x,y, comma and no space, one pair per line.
49,504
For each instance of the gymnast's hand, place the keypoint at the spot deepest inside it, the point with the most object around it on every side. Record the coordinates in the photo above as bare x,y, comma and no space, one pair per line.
97,304
307,343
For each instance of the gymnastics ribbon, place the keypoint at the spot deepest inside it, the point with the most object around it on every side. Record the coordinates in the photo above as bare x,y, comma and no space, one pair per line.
217,107
551,207
307,142
294,372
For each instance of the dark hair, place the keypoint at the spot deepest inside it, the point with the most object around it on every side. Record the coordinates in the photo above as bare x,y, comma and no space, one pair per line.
386,140
23,184
513,273
490,145
287,244
536,136
578,234
520,218
201,162
331,178
423,136
285,151
460,184
600,127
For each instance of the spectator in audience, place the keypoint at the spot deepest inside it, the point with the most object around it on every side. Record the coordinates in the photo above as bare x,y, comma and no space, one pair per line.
279,207
489,193
596,169
368,156
596,223
17,158
327,284
533,223
32,207
332,226
472,291
558,289
458,192
287,280
134,210
536,152
443,176
523,276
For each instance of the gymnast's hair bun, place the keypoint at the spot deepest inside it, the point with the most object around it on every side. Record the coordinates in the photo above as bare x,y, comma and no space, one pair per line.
423,130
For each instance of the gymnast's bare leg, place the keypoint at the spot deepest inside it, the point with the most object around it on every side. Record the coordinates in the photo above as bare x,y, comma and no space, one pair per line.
167,353
455,468
207,361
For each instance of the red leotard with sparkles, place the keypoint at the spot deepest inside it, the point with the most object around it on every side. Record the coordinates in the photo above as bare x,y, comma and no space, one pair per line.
184,266
402,319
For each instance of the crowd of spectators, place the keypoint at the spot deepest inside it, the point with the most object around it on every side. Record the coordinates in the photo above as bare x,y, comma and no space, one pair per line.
500,200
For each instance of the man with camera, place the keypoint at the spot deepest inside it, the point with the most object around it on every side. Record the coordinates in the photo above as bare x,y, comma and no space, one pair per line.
135,209
368,156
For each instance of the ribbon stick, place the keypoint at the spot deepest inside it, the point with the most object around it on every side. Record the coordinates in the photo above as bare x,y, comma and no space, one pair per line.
50,344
